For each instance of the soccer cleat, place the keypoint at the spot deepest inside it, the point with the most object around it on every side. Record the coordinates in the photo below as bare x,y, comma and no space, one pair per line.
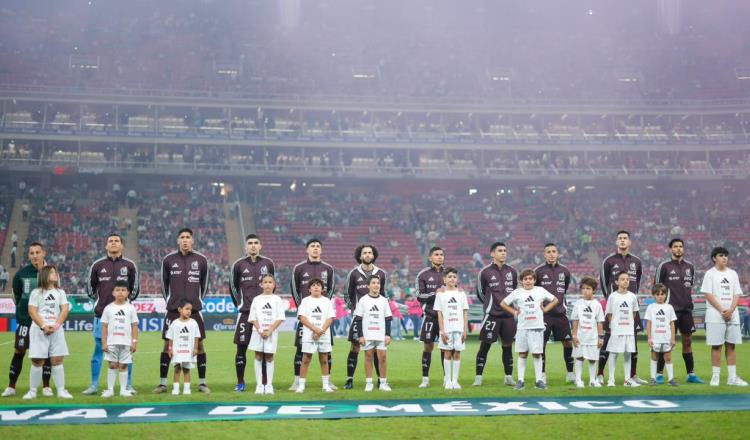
259,389
425,382
595,384
9,392
579,384
132,390
203,388
269,389
673,383
737,382
715,380
64,394
349,384
611,383
509,381
107,393
384,386
659,380
369,386
47,392
328,389
654,382
240,387
300,389
126,393
540,385
600,379
692,378
477,381
632,383
160,389
90,391
519,385
639,381
31,394
295,386
570,377
175,391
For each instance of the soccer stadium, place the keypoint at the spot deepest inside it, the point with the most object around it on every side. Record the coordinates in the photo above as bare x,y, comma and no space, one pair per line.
289,218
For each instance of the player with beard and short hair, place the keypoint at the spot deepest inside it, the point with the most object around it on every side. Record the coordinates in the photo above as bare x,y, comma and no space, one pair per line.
678,275
184,277
620,261
302,274
245,285
24,282
555,277
496,281
356,287
101,279
429,280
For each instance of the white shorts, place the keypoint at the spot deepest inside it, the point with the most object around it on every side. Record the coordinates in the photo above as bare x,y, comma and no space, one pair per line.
720,333
119,353
257,343
42,346
662,348
377,345
588,352
454,342
317,346
530,340
621,344
185,365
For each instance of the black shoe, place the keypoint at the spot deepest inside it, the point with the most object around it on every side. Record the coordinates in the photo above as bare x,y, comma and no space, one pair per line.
349,384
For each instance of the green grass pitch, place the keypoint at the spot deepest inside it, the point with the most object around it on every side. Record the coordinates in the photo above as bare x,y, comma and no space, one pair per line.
404,376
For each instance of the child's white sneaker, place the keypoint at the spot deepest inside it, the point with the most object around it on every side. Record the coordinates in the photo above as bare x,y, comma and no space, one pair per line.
107,393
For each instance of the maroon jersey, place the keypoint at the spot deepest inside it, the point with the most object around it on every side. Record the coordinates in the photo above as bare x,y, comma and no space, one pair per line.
357,287
184,277
429,280
493,285
615,263
305,271
555,279
103,275
679,277
246,277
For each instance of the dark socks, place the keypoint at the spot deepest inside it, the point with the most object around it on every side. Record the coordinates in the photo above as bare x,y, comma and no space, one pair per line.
202,366
689,363
351,363
16,365
240,362
484,348
568,356
426,361
508,360
163,365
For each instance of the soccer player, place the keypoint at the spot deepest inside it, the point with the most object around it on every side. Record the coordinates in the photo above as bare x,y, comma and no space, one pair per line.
48,308
24,282
721,286
678,275
266,315
588,331
183,338
555,277
374,319
184,276
429,280
453,320
496,281
119,338
102,276
357,286
660,330
526,304
622,260
622,311
316,313
245,285
304,272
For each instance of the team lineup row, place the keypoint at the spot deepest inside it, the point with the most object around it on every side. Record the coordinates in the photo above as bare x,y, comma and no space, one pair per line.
526,315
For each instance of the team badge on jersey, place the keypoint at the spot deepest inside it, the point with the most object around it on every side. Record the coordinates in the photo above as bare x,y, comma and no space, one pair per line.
561,277
508,276
123,271
632,266
194,265
263,270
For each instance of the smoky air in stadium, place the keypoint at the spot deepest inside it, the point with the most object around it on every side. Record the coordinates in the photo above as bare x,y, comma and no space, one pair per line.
397,218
